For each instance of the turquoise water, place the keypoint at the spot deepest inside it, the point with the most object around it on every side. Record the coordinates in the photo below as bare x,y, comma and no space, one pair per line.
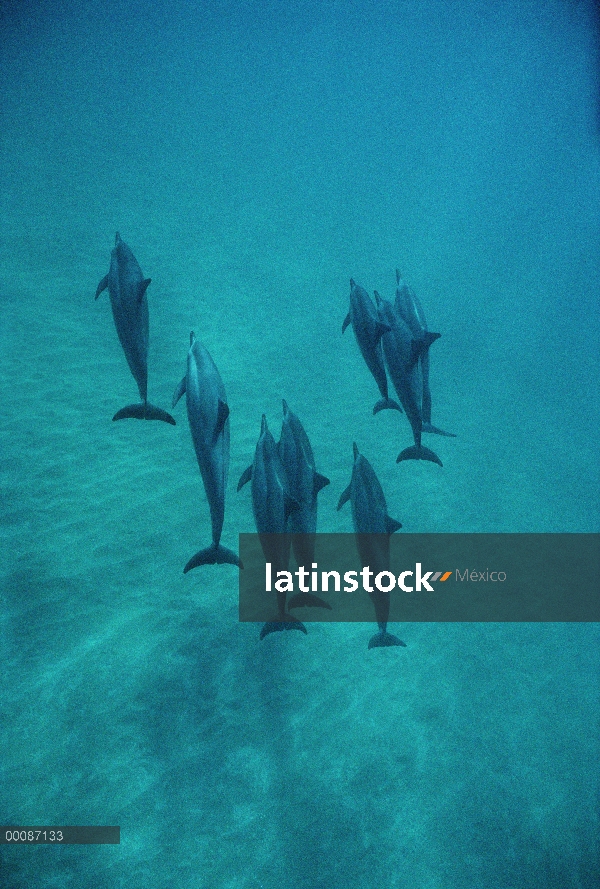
255,156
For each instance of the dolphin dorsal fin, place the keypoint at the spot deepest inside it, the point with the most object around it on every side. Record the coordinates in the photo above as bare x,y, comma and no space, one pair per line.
222,415
142,287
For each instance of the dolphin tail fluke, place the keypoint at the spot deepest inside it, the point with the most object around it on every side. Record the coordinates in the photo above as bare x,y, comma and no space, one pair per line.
419,453
157,413
383,639
278,625
387,404
307,600
144,411
427,427
213,555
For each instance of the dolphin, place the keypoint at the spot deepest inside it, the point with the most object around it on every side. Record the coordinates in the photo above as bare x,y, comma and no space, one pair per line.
410,309
208,415
304,483
368,330
402,354
271,506
127,291
373,527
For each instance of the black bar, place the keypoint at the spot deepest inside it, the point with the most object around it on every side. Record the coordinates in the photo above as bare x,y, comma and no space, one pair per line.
487,577
58,836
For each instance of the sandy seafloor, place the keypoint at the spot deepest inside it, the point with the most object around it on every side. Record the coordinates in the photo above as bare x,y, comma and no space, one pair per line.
255,155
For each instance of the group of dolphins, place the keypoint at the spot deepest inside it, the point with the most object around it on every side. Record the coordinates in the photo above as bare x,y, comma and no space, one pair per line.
283,476
396,336
393,339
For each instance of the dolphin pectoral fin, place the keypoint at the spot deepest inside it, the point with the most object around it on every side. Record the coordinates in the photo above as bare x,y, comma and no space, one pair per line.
213,555
345,497
103,285
418,453
383,639
178,392
429,338
222,415
427,427
387,404
419,348
319,482
144,411
307,600
282,622
347,320
244,478
142,287
391,525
